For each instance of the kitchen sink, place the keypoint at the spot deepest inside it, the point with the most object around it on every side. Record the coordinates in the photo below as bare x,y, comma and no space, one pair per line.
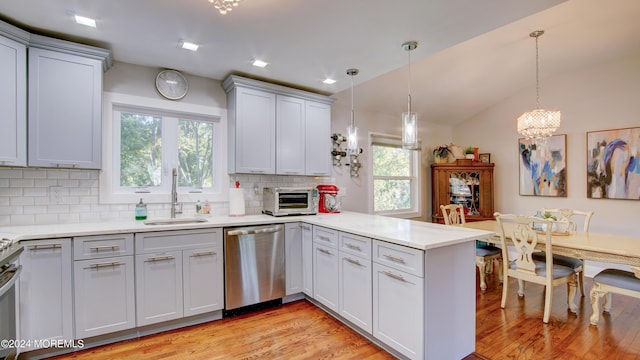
175,221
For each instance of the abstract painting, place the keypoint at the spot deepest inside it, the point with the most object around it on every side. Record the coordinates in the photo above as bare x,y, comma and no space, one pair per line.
613,171
543,166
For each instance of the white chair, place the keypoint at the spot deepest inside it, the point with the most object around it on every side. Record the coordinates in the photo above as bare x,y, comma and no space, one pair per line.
611,281
520,234
570,216
485,255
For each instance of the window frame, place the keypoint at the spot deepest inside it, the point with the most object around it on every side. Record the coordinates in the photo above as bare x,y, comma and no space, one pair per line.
110,190
415,177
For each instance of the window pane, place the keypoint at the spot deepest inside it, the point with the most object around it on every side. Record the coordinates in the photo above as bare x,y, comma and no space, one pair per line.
391,194
195,153
140,150
391,161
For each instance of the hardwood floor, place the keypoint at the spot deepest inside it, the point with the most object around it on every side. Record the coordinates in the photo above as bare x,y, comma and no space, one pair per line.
299,330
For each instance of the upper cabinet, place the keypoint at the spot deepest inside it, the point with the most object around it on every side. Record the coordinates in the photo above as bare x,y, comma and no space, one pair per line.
65,103
13,95
277,130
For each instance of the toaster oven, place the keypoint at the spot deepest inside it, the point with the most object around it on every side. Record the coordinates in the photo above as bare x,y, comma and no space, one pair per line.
283,201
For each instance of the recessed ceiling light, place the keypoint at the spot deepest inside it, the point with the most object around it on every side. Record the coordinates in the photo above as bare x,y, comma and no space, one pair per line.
85,21
259,63
329,81
189,46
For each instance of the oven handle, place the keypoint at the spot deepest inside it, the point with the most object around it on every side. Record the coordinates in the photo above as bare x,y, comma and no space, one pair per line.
11,282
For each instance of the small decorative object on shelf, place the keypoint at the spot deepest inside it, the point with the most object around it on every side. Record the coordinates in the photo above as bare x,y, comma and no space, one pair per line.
469,153
485,158
441,154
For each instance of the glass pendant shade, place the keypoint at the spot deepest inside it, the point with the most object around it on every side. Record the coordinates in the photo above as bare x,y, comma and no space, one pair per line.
352,139
409,130
538,124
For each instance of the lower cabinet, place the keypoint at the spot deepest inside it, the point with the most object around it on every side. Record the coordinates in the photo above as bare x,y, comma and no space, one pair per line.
293,258
178,273
355,288
45,291
307,259
326,267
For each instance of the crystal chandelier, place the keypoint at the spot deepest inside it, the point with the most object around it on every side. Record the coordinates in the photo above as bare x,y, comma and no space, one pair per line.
538,124
224,6
409,119
352,130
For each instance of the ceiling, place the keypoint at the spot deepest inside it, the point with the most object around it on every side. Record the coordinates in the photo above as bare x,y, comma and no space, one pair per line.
471,54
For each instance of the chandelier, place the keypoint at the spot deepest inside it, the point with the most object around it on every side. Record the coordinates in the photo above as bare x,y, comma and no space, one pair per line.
538,124
224,6
409,118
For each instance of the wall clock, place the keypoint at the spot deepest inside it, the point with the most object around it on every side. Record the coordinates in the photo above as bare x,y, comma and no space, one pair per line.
171,84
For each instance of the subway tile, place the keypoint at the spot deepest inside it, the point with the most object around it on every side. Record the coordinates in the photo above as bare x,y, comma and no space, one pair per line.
21,200
10,191
57,174
79,174
10,210
34,209
22,219
34,174
10,173
45,183
35,191
21,183
68,183
43,219
4,182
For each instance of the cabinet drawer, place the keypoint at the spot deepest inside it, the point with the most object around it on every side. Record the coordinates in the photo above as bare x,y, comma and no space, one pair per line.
152,242
356,245
399,257
325,236
93,247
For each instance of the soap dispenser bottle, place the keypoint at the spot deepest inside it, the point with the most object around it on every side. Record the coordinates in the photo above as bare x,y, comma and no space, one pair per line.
141,210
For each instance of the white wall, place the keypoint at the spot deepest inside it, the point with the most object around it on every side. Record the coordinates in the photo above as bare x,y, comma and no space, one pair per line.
598,97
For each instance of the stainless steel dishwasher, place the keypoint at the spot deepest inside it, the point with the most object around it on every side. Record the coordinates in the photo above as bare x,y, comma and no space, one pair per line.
254,269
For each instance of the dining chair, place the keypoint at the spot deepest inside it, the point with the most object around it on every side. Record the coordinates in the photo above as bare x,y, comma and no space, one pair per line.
485,254
611,281
524,239
570,216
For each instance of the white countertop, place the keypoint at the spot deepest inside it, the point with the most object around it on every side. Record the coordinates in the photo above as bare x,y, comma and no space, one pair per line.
416,234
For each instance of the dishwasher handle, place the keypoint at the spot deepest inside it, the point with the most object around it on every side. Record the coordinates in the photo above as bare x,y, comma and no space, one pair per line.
254,231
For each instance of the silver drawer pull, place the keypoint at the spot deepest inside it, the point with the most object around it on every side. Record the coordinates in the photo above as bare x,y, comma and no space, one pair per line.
325,251
394,259
103,265
160,258
45,247
324,238
65,165
354,247
394,276
356,262
305,227
106,247
206,253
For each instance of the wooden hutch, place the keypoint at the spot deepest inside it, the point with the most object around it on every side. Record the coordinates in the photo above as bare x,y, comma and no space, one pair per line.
465,182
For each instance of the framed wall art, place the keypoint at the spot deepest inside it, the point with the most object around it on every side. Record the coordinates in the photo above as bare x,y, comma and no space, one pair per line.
543,166
485,158
613,168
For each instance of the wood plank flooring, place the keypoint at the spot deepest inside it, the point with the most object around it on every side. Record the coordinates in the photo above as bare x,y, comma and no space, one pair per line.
300,330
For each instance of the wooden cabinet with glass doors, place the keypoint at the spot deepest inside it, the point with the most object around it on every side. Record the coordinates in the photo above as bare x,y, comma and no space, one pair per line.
469,185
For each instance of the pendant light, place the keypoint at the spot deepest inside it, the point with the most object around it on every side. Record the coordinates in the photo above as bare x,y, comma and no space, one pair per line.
538,124
409,119
352,130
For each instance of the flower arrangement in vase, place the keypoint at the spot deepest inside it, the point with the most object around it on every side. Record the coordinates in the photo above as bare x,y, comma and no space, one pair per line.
441,154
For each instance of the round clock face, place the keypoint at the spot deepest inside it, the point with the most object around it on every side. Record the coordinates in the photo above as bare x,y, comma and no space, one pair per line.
171,84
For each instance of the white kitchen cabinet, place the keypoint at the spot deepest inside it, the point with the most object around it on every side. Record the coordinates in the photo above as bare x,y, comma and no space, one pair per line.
104,287
293,258
13,96
317,139
178,273
326,269
65,104
277,130
45,296
307,259
355,286
203,279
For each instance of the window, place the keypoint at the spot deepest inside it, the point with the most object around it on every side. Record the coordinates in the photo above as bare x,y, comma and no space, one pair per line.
395,179
147,141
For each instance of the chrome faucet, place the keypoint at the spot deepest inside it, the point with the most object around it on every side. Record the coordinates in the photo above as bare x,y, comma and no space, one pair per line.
174,195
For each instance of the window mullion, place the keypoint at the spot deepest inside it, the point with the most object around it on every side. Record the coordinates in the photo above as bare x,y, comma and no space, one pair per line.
170,135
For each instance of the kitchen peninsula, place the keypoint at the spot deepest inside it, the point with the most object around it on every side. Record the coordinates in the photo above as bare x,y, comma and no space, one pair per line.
419,296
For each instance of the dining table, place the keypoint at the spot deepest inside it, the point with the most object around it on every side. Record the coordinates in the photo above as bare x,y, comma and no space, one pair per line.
608,248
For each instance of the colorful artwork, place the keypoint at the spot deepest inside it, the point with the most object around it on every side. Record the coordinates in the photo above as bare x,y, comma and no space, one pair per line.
543,166
613,170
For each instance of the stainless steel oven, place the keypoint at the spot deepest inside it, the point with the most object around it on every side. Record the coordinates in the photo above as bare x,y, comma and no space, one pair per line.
9,274
282,201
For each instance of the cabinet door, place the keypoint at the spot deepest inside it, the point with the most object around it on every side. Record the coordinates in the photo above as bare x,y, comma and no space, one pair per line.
13,102
307,259
325,276
158,287
318,139
46,304
104,296
255,131
293,258
290,135
203,280
398,313
355,290
65,110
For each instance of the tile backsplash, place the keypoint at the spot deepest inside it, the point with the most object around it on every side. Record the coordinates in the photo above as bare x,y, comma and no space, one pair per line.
30,196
